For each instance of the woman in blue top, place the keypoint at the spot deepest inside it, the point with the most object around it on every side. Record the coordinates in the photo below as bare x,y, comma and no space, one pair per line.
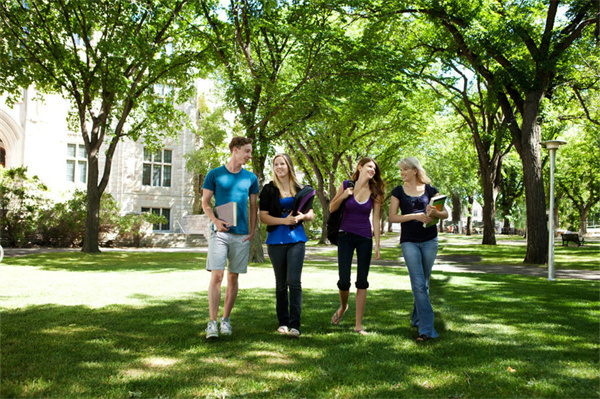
284,205
359,201
419,244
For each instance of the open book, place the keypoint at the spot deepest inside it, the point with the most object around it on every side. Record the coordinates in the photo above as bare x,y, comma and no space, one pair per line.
438,202
227,213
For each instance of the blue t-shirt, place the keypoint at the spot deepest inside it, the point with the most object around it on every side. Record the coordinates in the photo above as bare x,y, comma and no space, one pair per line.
413,230
233,187
284,234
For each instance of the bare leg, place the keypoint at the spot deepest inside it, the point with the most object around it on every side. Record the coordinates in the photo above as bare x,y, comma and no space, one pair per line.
214,293
230,293
343,303
361,300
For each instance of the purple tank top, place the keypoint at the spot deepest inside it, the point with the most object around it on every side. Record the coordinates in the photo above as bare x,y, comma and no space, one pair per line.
356,217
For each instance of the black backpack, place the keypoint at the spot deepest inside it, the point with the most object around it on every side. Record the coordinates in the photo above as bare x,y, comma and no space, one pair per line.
333,224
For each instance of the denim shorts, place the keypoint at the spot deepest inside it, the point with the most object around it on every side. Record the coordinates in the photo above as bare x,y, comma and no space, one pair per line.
224,247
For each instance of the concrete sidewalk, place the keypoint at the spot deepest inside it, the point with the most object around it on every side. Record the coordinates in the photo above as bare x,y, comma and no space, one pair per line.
444,263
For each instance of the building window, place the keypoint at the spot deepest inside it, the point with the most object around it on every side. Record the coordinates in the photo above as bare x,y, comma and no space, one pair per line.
157,168
160,212
76,163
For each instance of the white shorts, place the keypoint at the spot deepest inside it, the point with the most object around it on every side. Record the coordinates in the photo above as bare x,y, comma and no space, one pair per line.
227,246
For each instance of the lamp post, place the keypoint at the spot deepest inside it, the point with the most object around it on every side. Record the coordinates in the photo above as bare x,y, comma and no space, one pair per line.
551,146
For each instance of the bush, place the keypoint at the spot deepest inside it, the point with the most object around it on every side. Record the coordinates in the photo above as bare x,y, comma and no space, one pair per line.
21,202
63,224
132,227
27,217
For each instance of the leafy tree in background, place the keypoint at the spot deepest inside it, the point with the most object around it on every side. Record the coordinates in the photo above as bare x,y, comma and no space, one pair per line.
267,52
22,199
511,189
472,100
578,174
520,49
451,163
107,57
211,149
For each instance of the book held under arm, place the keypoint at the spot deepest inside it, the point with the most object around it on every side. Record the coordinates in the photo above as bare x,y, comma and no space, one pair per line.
438,202
227,213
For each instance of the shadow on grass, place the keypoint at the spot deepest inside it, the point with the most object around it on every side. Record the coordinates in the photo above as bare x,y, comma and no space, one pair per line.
112,261
548,333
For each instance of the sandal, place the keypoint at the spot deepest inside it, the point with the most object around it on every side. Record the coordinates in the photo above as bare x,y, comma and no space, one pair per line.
423,338
362,331
335,319
282,330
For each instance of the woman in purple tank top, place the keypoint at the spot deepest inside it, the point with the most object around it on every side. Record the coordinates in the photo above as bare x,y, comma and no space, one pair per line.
361,198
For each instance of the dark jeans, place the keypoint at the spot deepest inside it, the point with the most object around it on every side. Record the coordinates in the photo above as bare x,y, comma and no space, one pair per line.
347,243
287,260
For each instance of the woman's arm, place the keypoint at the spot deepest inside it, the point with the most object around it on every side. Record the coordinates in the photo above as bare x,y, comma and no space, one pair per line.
307,217
395,218
274,221
433,212
376,227
340,196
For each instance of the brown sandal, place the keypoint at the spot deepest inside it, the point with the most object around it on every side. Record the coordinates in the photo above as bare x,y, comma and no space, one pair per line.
423,338
335,319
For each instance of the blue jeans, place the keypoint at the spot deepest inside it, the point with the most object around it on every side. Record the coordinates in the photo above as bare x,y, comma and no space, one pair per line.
419,258
347,243
287,260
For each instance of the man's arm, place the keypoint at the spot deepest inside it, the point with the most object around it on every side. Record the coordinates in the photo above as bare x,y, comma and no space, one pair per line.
207,208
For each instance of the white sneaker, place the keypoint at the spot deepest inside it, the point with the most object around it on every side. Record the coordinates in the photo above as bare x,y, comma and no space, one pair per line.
226,326
211,330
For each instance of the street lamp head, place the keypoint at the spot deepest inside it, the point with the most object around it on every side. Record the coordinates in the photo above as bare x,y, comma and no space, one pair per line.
553,144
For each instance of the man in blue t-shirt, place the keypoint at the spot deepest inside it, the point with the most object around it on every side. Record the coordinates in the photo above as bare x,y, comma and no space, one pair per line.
229,183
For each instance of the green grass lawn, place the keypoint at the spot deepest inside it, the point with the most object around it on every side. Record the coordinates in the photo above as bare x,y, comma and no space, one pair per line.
125,324
509,250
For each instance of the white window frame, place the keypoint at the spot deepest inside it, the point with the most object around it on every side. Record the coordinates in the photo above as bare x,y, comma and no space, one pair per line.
76,163
156,170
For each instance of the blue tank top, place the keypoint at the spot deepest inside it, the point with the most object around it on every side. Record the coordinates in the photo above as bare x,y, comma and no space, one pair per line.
283,234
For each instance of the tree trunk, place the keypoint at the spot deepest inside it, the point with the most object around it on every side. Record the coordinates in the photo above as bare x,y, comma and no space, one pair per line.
456,211
325,206
506,228
471,200
92,221
583,221
535,198
489,208
197,205
257,254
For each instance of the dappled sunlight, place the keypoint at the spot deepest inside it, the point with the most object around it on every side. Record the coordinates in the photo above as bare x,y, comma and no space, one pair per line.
149,338
270,357
285,375
159,362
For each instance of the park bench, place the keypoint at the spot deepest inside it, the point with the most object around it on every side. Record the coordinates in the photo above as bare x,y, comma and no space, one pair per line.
573,237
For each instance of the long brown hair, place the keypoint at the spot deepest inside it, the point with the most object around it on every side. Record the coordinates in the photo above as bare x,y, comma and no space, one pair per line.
376,184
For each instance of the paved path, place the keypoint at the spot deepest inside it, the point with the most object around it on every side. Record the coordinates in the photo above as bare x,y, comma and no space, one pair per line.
446,263
466,264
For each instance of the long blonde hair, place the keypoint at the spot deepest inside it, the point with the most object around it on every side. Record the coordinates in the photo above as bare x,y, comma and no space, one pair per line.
294,184
413,163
